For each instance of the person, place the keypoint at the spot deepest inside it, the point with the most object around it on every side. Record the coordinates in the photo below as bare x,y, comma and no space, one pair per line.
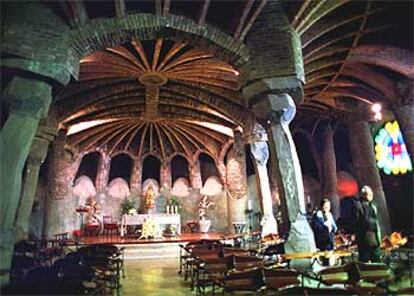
367,230
324,226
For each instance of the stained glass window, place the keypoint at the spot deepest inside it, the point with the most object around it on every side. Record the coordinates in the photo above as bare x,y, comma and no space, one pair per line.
390,150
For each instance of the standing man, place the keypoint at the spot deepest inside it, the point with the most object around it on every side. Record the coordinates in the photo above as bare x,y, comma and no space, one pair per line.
367,230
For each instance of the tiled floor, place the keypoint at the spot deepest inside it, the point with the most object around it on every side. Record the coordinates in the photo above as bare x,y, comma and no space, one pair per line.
153,277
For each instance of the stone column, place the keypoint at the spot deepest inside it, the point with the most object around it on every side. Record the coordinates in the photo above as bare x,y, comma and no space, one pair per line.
136,177
195,175
236,182
278,111
36,157
102,177
260,152
329,171
29,100
365,168
60,214
165,175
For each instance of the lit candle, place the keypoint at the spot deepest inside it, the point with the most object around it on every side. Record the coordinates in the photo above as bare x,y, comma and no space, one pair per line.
249,204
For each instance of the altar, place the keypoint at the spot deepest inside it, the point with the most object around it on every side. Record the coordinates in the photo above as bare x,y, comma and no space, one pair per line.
160,219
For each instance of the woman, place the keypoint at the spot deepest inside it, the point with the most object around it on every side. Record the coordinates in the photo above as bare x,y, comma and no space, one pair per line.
324,226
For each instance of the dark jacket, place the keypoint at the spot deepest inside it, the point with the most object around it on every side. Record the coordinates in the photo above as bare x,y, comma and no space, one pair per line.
324,239
367,230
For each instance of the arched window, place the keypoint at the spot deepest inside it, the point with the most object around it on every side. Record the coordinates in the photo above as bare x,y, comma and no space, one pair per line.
207,167
121,166
179,168
89,166
151,168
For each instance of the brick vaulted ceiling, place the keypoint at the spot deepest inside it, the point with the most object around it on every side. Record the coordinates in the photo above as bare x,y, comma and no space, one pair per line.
165,96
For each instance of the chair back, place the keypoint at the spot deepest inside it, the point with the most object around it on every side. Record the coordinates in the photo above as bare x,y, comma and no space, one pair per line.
251,280
247,262
373,272
276,279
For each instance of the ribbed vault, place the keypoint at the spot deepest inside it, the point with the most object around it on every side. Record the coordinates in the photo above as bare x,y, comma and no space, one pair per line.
156,96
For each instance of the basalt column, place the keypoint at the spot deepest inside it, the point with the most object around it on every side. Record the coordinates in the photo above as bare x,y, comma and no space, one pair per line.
60,214
260,152
28,100
36,157
195,175
329,171
236,181
366,171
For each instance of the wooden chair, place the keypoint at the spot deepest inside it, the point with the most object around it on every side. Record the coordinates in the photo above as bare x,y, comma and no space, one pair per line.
245,281
241,263
277,279
109,225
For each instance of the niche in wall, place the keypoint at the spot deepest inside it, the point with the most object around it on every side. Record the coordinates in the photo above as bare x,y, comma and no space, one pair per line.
121,166
207,167
89,166
151,168
179,168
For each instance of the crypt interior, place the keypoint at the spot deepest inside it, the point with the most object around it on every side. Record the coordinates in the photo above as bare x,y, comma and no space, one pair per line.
137,127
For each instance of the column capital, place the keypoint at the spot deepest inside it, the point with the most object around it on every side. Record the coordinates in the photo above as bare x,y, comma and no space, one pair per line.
28,96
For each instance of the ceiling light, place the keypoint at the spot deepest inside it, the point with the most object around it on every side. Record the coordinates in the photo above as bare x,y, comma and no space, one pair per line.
376,107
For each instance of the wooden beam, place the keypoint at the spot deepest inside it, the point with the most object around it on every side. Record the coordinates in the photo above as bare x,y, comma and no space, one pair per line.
243,18
252,20
203,13
120,8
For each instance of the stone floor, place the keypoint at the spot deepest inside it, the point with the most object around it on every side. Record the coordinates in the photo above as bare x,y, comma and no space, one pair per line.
153,277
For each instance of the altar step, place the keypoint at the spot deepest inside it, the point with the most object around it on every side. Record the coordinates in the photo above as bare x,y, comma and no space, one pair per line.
151,251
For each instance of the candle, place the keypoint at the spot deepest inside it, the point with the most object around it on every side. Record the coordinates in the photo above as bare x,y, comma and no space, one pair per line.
249,204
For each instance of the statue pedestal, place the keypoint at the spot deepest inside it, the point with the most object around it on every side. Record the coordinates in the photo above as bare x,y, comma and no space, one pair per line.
204,225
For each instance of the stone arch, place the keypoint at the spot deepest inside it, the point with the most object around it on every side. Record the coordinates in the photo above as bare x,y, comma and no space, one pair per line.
151,166
121,167
396,59
99,34
89,166
208,166
225,150
179,168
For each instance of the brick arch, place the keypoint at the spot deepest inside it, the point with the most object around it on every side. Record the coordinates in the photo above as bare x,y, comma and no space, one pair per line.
99,34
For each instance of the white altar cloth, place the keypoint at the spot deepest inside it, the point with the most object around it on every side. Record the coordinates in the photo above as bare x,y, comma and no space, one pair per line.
160,219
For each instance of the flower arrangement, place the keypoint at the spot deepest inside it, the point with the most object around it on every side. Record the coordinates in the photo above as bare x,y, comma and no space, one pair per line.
127,205
77,233
150,228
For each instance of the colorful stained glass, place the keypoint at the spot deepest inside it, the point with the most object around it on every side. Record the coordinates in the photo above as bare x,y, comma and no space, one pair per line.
390,150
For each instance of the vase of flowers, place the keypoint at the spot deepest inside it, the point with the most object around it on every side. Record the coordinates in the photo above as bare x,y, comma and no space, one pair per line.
128,207
203,205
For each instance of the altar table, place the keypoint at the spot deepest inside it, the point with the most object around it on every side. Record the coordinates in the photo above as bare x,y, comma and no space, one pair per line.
160,219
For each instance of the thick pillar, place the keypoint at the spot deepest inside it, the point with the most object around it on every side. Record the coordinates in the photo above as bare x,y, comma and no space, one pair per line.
36,157
236,181
195,175
329,171
260,152
278,111
60,215
102,176
29,100
165,175
136,177
365,168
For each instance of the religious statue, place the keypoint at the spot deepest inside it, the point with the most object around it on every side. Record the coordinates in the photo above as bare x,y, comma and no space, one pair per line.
149,198
93,210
